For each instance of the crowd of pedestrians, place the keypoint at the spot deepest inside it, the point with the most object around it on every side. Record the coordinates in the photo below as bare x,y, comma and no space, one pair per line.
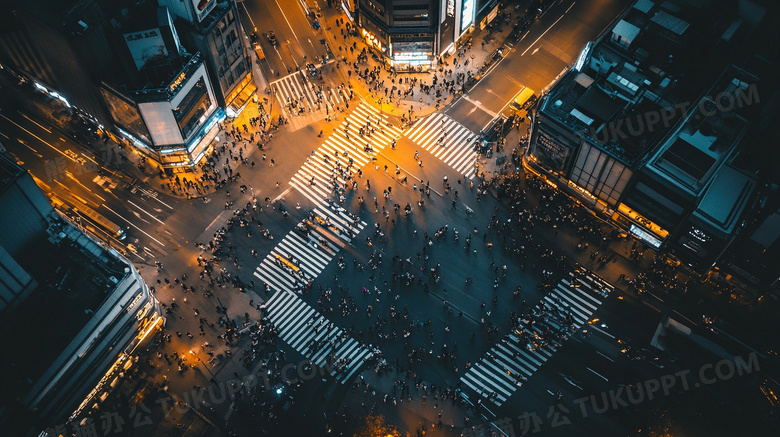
220,165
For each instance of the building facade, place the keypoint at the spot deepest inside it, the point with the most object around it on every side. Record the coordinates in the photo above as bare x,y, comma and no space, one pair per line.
627,132
138,58
165,103
213,29
85,309
412,34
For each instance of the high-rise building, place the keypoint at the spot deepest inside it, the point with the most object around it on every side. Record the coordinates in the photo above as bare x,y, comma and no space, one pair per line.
644,129
411,34
135,67
213,28
61,46
73,313
164,101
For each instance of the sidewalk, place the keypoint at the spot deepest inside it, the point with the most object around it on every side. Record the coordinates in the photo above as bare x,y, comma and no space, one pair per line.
137,166
466,60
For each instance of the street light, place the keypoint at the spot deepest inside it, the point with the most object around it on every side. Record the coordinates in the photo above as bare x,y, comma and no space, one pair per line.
213,378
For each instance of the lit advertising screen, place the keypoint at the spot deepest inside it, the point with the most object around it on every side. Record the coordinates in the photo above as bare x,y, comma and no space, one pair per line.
467,14
145,46
203,7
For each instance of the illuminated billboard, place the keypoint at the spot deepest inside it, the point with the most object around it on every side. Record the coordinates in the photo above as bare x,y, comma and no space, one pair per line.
145,46
467,14
203,7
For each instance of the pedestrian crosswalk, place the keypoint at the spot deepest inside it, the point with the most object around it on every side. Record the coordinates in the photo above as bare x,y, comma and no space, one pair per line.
306,250
298,95
502,370
335,164
315,337
447,140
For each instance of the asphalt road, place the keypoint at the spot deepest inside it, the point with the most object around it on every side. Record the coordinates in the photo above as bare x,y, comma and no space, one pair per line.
583,366
298,41
552,43
156,224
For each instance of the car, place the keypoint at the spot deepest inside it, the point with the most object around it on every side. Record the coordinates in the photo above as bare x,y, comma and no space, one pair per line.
523,99
253,37
271,37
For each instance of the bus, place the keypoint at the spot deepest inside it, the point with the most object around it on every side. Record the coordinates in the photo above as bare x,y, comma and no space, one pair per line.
105,224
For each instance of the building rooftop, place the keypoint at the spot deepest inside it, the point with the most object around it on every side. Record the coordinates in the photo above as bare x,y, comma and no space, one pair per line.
170,75
768,233
74,275
646,63
725,200
709,136
211,19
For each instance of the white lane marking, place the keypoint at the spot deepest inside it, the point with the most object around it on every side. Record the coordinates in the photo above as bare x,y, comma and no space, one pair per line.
602,331
678,313
39,125
548,29
288,23
38,138
610,359
133,225
146,212
598,374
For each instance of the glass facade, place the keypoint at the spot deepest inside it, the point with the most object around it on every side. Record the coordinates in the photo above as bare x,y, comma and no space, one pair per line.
194,106
601,174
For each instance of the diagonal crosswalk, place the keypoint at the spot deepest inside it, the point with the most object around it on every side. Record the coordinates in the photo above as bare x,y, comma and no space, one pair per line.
315,337
336,162
305,251
503,369
298,94
447,140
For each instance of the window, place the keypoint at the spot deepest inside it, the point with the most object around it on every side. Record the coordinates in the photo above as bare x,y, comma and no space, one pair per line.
240,69
375,8
600,174
230,38
193,106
